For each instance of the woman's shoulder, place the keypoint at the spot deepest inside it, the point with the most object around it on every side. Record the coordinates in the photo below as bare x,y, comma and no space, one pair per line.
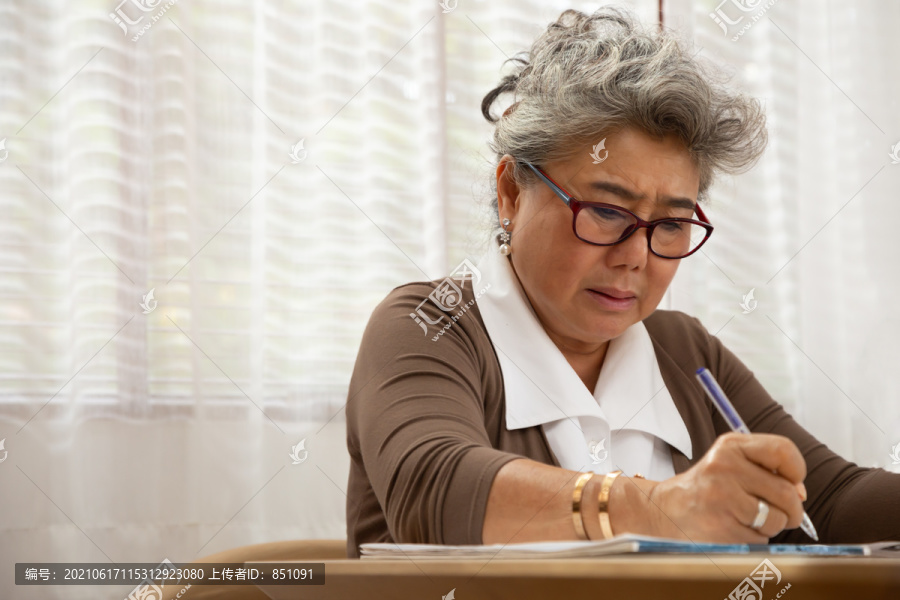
442,295
669,319
673,328
429,309
686,338
405,291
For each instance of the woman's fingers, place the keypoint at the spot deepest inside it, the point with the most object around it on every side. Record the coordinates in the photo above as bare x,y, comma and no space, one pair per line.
775,522
750,468
775,490
772,452
718,499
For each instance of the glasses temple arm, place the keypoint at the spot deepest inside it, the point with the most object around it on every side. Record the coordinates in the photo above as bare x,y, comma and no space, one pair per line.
564,196
701,214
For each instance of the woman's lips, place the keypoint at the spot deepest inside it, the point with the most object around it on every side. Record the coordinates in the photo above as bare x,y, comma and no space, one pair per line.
612,299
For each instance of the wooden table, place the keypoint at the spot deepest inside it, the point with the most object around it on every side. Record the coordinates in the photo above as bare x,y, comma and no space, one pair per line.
628,577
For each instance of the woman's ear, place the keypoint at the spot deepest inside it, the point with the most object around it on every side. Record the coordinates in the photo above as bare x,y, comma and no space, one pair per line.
507,189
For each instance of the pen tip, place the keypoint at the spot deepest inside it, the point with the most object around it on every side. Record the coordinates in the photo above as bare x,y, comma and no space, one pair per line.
807,526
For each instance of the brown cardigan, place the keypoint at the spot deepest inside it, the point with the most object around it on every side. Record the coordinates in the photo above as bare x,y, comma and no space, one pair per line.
426,429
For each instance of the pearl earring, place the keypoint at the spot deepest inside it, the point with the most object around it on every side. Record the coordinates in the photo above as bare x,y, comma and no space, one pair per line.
504,239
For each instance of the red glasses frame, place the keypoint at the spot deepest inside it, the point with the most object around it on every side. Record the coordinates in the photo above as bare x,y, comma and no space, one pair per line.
576,206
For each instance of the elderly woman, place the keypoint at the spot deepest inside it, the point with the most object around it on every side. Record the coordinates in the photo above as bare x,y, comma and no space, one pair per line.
548,398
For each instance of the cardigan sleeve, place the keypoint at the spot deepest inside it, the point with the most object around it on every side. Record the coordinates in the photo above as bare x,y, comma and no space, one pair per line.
416,420
847,503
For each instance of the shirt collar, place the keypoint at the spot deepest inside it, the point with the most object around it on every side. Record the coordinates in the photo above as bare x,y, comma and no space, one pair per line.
542,387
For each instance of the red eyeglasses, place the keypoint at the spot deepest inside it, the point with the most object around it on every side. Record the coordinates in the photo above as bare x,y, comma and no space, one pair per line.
604,224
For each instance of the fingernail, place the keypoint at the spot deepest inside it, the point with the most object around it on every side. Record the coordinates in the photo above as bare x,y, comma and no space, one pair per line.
802,490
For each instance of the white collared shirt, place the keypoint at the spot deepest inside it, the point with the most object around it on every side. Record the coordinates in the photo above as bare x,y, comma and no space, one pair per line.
629,421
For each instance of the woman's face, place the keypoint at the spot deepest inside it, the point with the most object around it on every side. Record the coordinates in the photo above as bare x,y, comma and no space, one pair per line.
586,295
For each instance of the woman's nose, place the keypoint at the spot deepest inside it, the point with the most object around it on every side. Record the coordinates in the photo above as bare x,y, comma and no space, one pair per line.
632,252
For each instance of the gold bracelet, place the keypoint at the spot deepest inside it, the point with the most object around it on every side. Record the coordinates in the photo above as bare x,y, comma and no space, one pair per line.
603,500
576,504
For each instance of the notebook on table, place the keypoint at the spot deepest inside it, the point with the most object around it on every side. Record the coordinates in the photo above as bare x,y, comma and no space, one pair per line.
623,544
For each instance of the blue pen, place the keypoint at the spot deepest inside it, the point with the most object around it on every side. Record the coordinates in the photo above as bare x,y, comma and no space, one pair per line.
734,421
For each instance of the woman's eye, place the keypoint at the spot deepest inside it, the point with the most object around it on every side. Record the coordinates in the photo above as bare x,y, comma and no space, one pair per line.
606,214
673,226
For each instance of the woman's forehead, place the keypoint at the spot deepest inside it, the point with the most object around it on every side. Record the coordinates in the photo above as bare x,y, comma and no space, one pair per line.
672,182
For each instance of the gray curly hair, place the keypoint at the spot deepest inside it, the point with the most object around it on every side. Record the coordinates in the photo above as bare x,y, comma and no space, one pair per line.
594,74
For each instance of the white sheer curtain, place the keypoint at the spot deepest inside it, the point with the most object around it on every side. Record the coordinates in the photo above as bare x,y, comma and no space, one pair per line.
812,228
165,163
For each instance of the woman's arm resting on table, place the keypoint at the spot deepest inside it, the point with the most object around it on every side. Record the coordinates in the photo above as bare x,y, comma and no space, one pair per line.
530,501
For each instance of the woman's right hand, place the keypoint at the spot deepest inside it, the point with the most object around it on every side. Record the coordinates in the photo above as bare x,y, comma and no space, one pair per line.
717,499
